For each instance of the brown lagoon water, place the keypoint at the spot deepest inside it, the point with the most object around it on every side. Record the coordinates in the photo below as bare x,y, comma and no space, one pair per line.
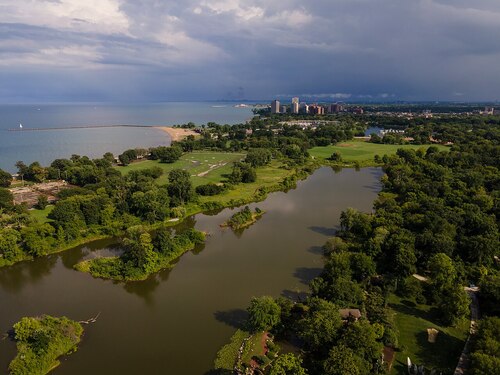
175,322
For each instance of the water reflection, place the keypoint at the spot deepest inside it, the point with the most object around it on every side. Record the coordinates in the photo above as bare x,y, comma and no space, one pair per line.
21,275
235,318
307,274
330,232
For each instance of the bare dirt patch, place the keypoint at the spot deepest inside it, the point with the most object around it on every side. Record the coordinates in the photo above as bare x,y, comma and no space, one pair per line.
29,194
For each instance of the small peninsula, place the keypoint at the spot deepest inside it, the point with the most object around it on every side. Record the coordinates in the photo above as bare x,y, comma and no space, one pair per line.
41,341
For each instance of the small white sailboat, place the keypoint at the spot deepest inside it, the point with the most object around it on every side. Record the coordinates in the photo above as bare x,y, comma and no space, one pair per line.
21,126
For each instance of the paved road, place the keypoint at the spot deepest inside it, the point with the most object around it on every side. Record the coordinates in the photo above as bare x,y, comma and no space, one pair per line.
463,362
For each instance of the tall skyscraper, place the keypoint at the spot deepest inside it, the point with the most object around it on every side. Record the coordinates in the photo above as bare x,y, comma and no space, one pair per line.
275,106
294,108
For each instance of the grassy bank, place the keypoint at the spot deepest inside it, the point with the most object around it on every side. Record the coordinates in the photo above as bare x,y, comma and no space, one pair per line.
412,321
362,151
41,341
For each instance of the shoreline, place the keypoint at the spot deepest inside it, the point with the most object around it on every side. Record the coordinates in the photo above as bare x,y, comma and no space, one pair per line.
177,134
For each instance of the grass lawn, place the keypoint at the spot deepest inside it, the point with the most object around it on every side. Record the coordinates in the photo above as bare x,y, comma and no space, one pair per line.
204,167
267,176
41,215
358,150
412,321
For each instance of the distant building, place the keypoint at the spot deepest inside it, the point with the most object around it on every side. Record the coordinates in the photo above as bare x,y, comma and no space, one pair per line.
295,108
489,111
275,106
283,109
427,113
335,108
303,108
295,100
358,111
316,109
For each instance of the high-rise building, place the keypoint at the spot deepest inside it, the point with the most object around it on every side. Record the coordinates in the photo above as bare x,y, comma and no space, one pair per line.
275,106
294,108
316,109
283,109
335,108
304,108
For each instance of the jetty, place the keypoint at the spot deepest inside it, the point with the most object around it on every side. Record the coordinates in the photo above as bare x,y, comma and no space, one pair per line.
79,127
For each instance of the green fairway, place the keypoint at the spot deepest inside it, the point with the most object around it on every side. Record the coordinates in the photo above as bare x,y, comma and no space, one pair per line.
267,176
204,167
412,321
41,215
358,150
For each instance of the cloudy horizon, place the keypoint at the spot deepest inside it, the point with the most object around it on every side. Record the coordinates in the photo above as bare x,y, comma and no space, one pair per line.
153,50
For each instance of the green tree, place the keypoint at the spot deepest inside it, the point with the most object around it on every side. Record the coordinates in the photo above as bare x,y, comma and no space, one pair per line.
442,274
170,154
343,361
5,179
9,248
258,157
263,313
319,328
454,304
287,364
140,251
242,172
485,357
6,199
180,189
336,157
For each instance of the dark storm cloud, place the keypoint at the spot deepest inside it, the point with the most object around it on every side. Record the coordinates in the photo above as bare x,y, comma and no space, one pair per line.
212,49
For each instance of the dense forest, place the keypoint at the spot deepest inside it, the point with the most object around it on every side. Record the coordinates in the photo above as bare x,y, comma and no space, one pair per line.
437,217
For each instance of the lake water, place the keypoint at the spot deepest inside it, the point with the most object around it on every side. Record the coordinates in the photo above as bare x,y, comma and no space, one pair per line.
45,146
175,322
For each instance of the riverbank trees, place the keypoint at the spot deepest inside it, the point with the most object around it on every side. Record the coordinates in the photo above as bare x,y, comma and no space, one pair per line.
438,216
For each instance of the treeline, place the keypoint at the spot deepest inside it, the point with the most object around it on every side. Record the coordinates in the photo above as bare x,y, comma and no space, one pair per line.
438,216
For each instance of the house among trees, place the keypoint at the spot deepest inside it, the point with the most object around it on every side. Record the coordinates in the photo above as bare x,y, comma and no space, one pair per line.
350,314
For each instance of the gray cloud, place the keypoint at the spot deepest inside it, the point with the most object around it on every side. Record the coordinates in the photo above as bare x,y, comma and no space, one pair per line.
213,49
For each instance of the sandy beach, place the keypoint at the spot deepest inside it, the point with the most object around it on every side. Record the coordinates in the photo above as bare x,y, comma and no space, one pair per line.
177,134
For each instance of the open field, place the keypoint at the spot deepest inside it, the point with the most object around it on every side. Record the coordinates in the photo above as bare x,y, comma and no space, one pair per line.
41,215
204,167
267,176
357,150
413,320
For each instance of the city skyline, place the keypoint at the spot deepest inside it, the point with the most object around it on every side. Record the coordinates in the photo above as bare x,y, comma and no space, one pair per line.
119,50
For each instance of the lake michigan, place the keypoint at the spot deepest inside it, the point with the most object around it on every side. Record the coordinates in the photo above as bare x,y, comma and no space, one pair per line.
45,146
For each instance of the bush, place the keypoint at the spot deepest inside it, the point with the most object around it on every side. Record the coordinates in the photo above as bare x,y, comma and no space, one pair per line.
209,189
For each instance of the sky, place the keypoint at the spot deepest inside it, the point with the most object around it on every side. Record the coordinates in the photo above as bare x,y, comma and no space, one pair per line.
331,50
